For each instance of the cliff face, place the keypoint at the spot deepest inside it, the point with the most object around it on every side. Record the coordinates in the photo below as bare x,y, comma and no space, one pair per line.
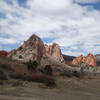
90,60
54,51
34,49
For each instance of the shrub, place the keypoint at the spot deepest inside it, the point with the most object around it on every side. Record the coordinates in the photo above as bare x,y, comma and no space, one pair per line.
32,65
20,57
3,76
50,82
71,73
6,67
17,84
47,70
67,73
16,76
77,73
70,64
1,83
20,48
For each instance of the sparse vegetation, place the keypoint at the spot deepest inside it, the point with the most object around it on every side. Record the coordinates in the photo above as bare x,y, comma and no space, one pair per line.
3,76
50,82
20,48
20,57
32,65
15,84
70,64
46,70
6,67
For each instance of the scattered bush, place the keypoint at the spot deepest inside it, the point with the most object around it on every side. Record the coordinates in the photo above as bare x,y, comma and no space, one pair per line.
36,77
70,64
20,48
67,73
50,82
3,76
47,70
16,76
20,57
6,67
1,83
17,84
77,74
71,73
32,65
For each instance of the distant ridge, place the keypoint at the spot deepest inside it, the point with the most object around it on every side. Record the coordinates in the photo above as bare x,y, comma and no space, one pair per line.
68,57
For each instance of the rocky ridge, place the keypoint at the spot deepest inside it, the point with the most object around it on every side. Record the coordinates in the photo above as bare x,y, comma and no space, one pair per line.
35,50
90,60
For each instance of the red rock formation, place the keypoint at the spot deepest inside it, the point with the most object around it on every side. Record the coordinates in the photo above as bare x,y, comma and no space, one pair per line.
4,53
34,49
79,59
54,51
90,60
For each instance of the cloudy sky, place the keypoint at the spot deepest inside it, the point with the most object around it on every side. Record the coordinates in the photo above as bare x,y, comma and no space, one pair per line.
73,24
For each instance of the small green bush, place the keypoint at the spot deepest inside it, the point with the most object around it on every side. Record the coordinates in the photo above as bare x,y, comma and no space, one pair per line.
20,57
3,76
70,64
46,70
32,65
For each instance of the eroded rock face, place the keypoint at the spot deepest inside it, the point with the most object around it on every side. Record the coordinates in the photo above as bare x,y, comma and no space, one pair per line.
34,49
90,60
79,59
54,51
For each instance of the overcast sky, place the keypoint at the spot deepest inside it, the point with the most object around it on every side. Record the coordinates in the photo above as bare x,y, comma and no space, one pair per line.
73,24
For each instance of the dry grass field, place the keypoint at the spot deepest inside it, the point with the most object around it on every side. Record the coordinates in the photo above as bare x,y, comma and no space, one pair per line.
66,89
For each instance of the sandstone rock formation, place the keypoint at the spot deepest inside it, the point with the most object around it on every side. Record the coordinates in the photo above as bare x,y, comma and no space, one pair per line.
90,60
34,49
79,59
54,51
